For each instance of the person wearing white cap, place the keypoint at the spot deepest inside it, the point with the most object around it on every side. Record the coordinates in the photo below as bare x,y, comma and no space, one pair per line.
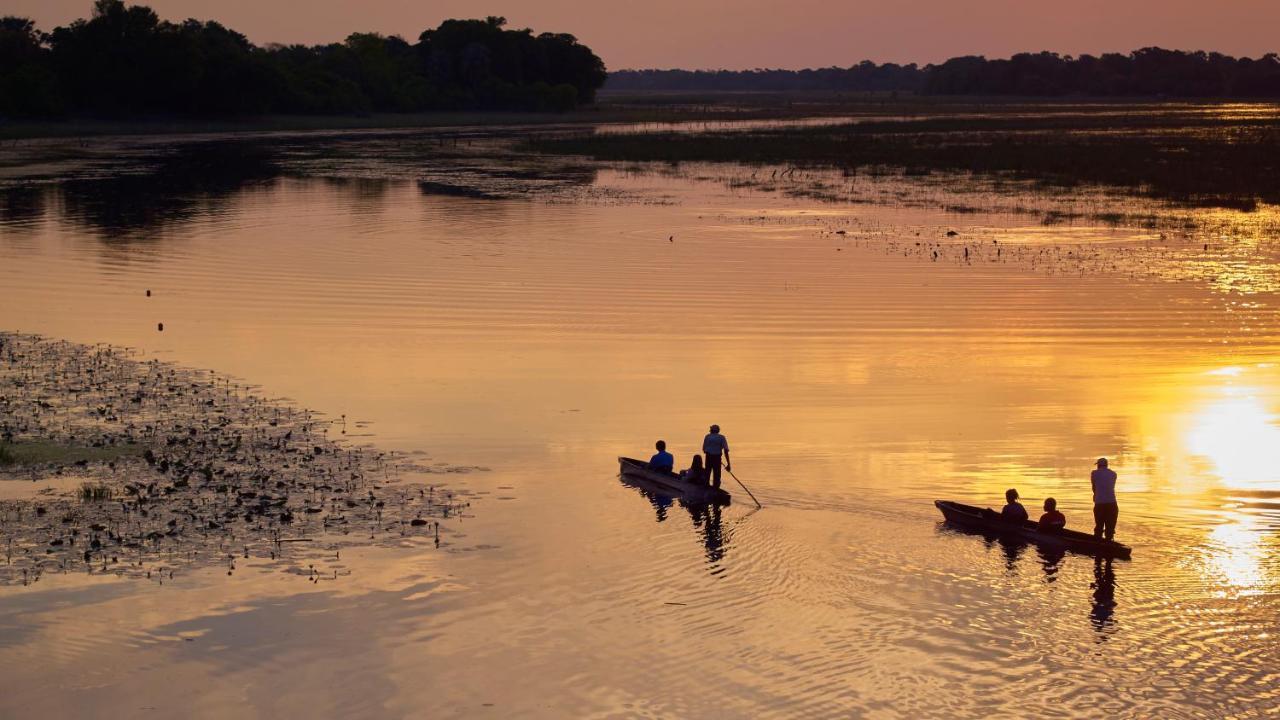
715,447
1105,509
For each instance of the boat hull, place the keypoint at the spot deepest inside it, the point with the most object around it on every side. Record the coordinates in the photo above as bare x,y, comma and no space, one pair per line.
974,518
672,484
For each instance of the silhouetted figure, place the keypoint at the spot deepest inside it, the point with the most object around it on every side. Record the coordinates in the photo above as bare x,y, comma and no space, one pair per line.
716,448
1052,520
1104,595
695,474
1013,511
662,460
1105,509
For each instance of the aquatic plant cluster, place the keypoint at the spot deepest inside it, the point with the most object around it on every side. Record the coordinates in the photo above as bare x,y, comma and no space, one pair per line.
204,472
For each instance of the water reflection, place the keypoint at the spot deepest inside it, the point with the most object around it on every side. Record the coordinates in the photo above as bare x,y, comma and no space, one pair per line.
1051,561
1103,609
1012,550
1238,435
173,187
1237,557
158,187
22,205
707,519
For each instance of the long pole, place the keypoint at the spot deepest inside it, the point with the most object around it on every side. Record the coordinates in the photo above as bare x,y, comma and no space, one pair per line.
744,487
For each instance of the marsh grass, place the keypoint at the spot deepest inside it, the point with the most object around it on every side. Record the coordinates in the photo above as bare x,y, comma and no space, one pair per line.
1202,160
94,492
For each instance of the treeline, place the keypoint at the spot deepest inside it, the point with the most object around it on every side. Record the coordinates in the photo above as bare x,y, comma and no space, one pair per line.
1146,72
863,77
126,61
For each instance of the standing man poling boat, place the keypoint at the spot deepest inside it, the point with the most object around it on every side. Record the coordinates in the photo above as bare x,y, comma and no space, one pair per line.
715,447
1105,509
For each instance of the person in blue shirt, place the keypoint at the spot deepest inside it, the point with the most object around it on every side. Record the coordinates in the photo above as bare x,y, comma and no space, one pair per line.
715,447
662,460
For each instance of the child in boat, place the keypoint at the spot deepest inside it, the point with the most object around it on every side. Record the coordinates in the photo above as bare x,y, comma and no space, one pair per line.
695,473
1013,510
1052,520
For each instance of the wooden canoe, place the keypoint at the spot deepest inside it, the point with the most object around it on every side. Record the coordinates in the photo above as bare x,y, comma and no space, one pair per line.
671,483
974,518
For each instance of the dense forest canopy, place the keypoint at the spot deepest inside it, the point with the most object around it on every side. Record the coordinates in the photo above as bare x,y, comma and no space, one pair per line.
1146,72
125,60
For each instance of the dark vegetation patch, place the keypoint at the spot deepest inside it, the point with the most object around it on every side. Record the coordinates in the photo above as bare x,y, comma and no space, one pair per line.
54,454
1208,159
1147,72
125,61
153,468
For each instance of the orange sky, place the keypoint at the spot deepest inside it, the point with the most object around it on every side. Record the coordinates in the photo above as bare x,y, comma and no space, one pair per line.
759,33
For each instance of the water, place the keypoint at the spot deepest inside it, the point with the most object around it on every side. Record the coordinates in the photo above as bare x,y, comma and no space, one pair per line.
857,379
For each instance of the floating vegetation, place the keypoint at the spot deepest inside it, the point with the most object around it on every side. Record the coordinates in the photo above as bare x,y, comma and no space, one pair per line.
192,469
1210,159
95,492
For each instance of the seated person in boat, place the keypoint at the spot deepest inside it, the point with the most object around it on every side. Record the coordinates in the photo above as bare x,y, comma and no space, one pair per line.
1052,520
1013,511
695,474
662,460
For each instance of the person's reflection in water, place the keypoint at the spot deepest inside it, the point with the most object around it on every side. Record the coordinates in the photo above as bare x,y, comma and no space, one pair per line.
661,503
1051,561
1102,614
1012,551
707,521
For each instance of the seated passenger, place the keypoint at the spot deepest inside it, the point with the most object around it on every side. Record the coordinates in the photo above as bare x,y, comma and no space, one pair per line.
1052,520
662,460
695,474
1013,511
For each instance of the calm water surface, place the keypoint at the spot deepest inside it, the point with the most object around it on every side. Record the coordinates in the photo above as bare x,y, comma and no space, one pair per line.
857,378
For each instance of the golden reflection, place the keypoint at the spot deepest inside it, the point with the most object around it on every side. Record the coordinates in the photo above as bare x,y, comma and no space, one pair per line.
1238,436
1236,557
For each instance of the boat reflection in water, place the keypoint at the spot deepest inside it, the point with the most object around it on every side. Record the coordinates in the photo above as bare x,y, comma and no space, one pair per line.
706,517
1102,608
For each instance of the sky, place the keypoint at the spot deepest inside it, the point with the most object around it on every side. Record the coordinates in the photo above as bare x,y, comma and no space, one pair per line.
707,34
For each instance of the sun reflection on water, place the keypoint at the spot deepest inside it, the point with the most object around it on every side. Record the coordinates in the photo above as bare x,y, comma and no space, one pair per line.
1236,558
1238,435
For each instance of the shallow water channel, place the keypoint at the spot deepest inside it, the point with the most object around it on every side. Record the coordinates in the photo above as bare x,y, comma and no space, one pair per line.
857,377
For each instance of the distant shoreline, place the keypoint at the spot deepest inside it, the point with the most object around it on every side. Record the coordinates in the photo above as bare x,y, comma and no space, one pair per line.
617,106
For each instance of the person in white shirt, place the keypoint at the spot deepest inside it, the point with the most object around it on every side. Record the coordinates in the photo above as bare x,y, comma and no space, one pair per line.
1105,509
715,447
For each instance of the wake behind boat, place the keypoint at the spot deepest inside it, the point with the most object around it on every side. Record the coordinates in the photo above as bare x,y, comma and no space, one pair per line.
672,484
974,518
